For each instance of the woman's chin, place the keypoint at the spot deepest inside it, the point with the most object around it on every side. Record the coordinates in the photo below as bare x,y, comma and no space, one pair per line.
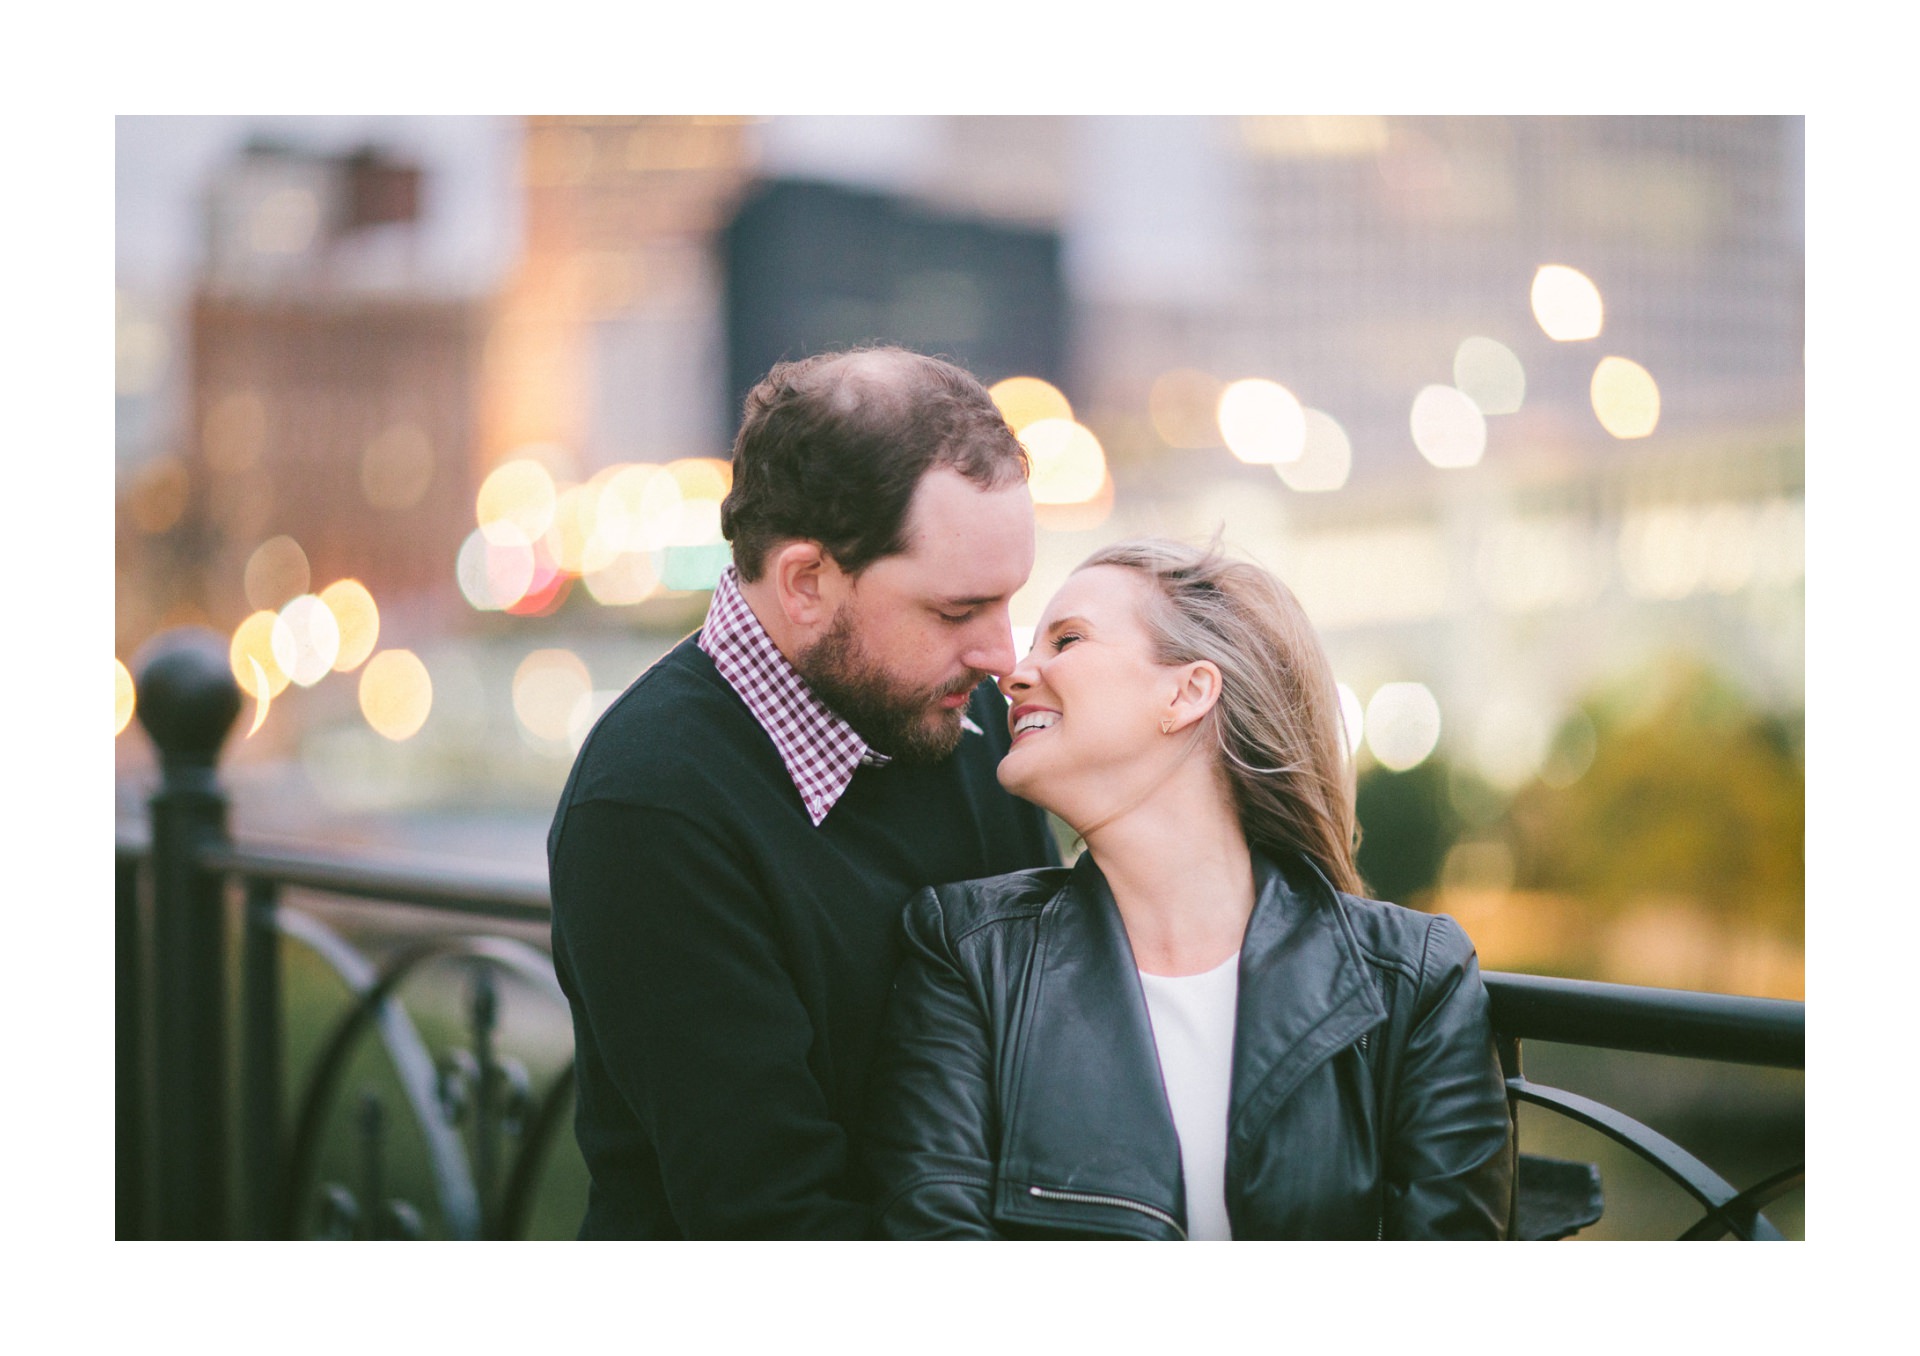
1020,779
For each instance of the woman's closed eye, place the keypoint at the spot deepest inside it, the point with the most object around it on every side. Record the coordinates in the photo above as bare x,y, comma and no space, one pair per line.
1064,639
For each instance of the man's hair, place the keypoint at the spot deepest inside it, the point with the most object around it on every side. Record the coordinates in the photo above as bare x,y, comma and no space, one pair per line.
1278,731
832,447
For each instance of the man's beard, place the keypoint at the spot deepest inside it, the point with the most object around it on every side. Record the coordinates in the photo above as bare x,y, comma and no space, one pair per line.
901,722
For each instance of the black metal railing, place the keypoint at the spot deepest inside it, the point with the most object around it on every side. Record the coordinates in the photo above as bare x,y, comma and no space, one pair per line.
484,1128
1719,1027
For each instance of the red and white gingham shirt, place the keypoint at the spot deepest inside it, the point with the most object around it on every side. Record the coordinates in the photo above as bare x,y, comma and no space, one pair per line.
820,750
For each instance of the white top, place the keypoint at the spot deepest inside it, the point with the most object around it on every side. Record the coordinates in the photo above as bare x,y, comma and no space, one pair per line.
1193,1029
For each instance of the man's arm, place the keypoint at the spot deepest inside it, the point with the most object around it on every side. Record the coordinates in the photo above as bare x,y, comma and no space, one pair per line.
674,955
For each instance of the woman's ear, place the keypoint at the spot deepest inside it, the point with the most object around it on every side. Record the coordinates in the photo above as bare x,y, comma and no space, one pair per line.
806,583
1197,689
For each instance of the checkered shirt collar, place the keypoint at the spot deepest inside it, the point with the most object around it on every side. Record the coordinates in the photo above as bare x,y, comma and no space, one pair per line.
820,749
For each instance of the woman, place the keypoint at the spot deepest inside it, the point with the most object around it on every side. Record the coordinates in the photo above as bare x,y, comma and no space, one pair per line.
1200,1030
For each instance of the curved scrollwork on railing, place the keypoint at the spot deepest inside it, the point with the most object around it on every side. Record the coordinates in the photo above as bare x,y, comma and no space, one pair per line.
476,1090
1728,1211
1760,1031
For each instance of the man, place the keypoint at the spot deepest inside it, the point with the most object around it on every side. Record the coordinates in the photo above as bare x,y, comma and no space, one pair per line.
744,825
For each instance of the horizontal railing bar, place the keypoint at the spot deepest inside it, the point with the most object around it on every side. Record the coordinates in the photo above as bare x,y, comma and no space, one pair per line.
1682,1022
434,887
1769,1031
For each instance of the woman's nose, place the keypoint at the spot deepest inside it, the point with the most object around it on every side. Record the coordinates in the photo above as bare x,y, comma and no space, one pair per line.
1019,678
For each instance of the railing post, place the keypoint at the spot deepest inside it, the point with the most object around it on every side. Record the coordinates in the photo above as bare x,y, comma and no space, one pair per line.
132,1116
187,700
260,1082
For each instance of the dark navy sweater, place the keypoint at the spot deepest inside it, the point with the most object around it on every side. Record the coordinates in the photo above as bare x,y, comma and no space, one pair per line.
727,961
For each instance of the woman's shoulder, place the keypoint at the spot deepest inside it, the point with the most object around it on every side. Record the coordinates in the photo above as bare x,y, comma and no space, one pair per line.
964,906
1405,939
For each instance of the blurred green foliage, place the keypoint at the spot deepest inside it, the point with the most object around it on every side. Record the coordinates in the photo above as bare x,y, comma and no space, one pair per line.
1691,792
1667,785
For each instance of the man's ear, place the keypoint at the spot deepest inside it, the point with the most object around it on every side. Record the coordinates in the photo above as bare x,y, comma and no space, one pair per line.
807,583
1195,692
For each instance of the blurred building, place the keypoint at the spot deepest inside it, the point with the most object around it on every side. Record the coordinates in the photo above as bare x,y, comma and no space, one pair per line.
608,342
811,267
331,400
1537,543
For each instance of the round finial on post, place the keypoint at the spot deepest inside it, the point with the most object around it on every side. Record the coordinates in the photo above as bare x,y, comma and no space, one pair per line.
186,696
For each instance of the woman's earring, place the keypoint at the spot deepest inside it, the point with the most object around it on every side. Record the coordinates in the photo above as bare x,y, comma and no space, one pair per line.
1166,726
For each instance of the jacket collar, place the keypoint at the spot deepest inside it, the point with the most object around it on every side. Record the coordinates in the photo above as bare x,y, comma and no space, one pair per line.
1087,1112
1305,990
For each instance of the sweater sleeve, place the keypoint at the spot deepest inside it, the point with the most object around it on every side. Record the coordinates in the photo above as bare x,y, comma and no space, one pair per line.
679,986
931,1101
1450,1141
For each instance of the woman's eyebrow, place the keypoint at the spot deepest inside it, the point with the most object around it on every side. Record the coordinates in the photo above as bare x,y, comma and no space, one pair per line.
1059,622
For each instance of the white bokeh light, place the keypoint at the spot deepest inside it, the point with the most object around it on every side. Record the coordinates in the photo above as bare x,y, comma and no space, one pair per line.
1352,718
1448,428
1402,725
1262,422
306,640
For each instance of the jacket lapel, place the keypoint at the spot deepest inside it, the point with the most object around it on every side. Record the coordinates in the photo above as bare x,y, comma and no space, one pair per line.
1086,1111
1305,992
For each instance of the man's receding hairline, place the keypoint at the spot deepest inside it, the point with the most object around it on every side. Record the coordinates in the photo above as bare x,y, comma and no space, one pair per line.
864,376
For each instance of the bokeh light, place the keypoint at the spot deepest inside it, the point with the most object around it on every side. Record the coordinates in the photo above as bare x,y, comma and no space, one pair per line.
306,640
397,468
1566,303
264,700
1402,725
1028,400
1262,422
1626,399
1511,737
703,483
1352,718
276,572
546,590
638,508
1183,405
396,694
630,577
1325,460
252,646
588,709
546,688
494,575
1487,373
571,539
516,502
1068,462
122,697
358,618
1448,428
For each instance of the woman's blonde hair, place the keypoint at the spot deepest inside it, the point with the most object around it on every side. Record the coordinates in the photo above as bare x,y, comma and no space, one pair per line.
1277,726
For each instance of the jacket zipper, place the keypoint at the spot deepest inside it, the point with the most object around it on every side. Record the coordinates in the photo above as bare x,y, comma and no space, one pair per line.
1048,1193
1380,1216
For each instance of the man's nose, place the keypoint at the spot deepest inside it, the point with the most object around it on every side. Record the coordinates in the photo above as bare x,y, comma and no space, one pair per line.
994,652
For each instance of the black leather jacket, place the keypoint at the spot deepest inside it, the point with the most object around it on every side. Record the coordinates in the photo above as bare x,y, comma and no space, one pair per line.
1017,1091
